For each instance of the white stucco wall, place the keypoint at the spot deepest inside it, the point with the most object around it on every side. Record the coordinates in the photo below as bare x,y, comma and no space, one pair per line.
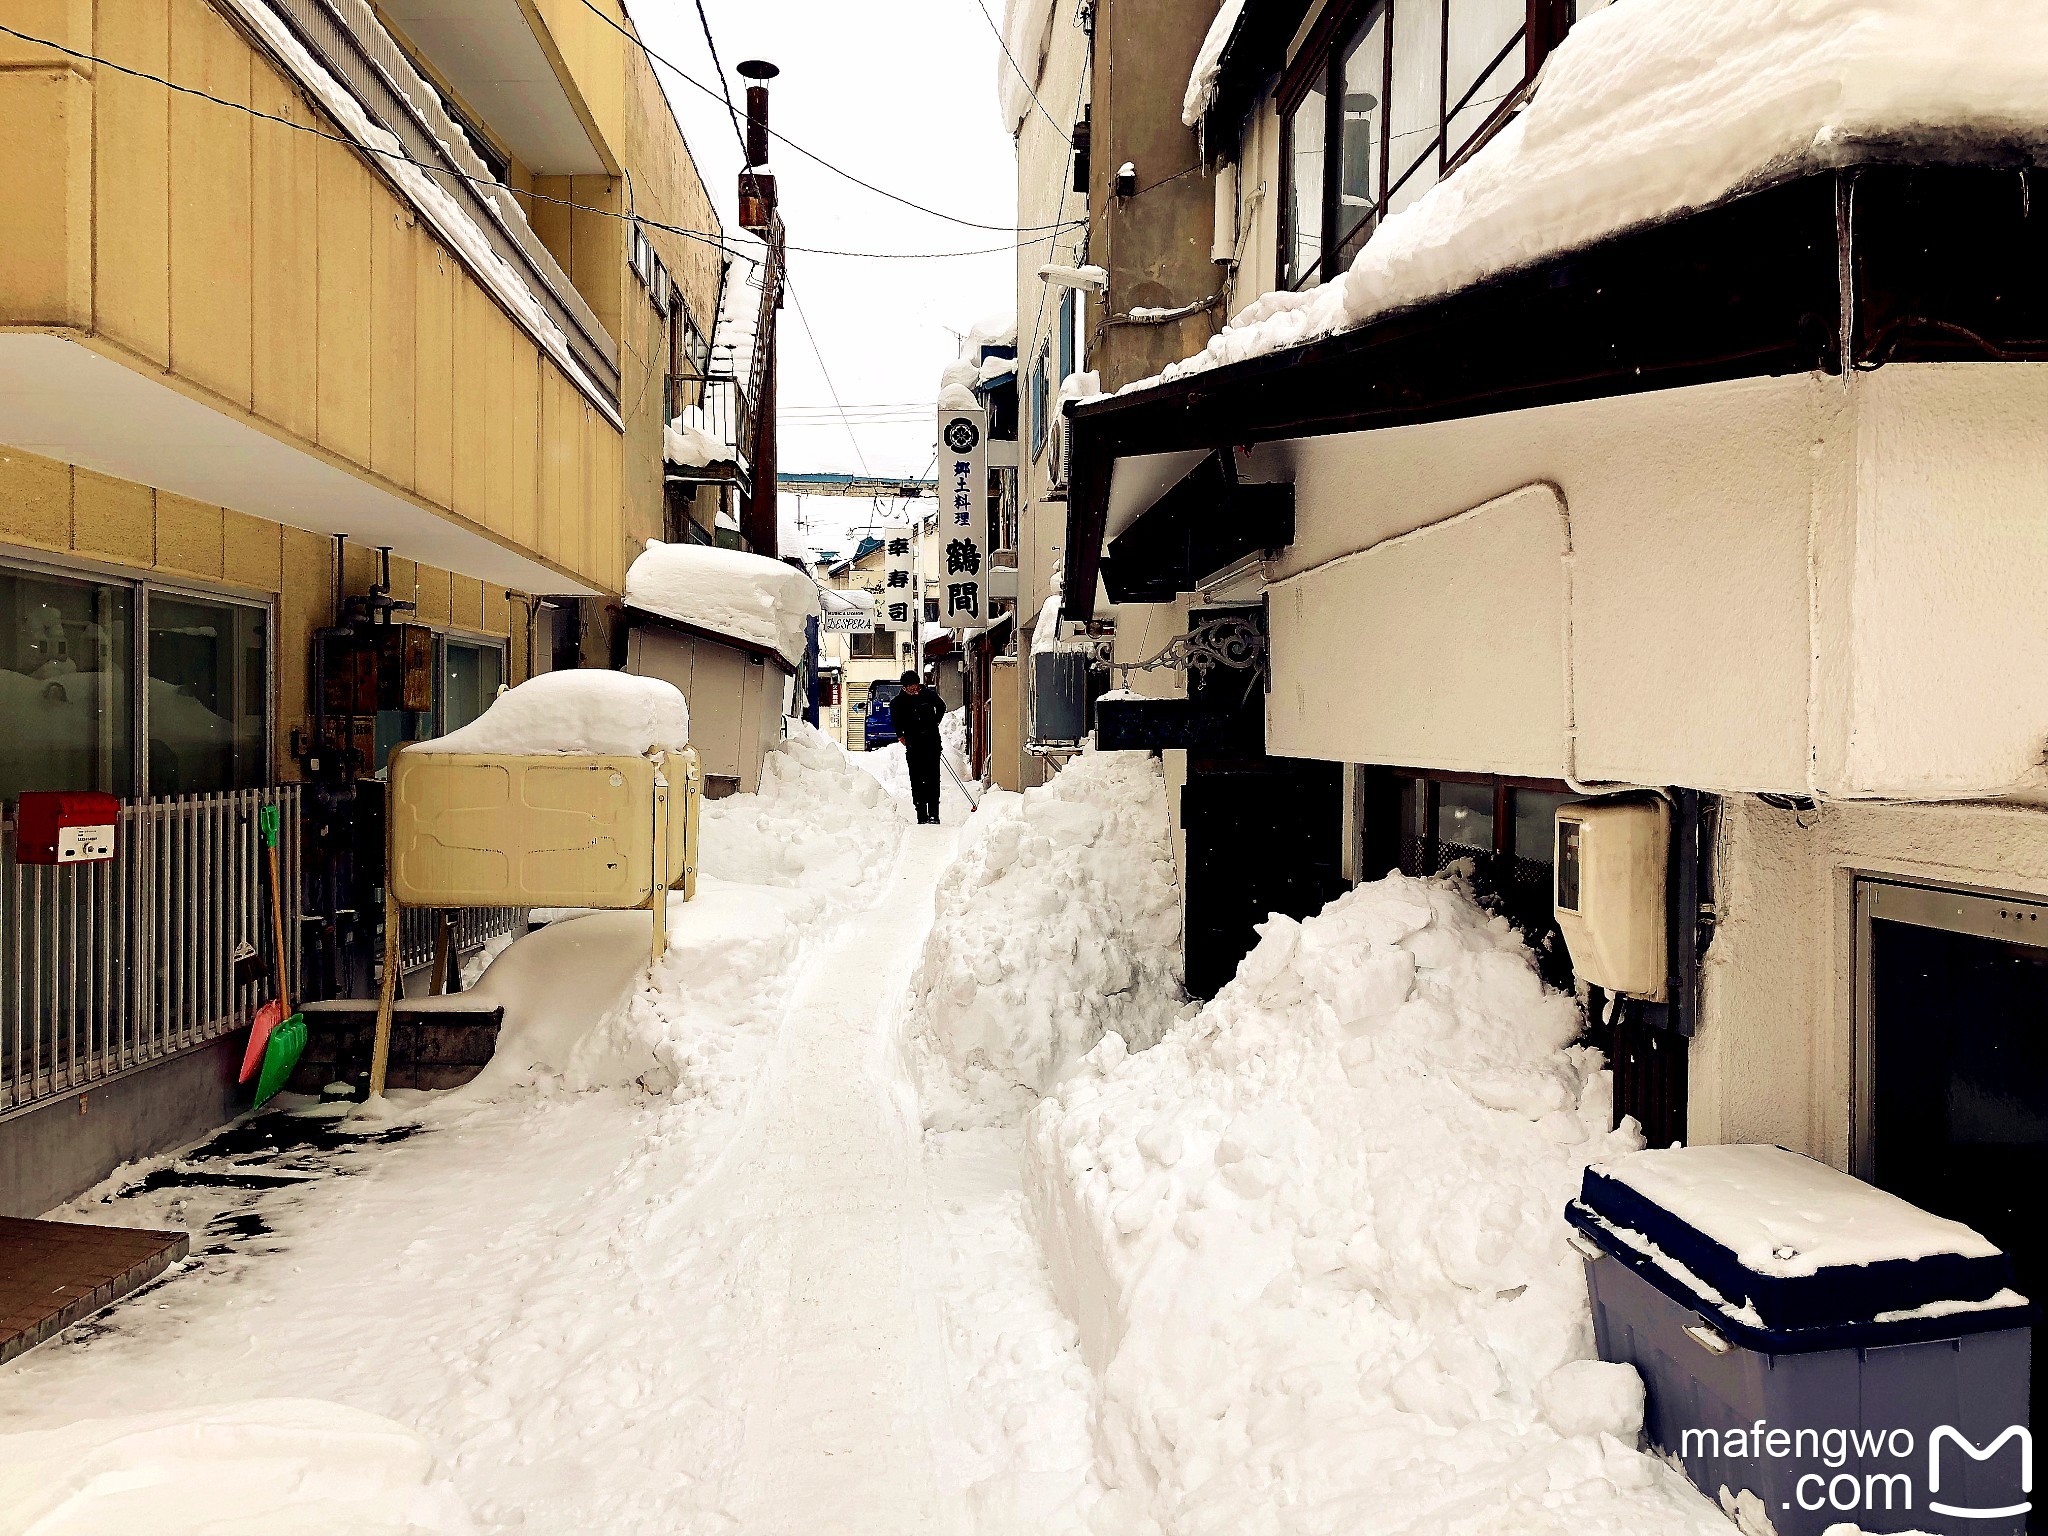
1774,1058
1802,585
1436,646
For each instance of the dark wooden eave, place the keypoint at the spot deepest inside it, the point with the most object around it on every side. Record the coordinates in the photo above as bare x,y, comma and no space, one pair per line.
1207,521
1875,263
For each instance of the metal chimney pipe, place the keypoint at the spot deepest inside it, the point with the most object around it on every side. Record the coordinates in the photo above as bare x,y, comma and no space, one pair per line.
760,71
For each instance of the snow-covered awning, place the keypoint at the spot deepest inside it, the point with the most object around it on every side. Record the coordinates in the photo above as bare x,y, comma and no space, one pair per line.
726,593
1671,208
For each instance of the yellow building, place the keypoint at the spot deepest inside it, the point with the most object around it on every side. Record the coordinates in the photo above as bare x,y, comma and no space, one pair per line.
363,276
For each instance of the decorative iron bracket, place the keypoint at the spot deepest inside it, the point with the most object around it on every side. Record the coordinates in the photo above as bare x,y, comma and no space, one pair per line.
1235,643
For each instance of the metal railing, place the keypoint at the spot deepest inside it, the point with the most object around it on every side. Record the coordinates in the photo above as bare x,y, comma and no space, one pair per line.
106,968
727,410
474,928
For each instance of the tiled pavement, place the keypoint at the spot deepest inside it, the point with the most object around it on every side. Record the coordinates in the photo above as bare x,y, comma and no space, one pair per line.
56,1273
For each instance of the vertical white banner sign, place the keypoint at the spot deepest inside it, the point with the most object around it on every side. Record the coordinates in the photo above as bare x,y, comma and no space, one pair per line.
960,550
901,601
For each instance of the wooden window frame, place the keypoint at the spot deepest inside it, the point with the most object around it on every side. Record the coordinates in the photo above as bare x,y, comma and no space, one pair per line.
1318,61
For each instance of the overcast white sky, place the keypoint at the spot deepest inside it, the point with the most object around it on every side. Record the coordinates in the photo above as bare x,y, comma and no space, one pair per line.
902,93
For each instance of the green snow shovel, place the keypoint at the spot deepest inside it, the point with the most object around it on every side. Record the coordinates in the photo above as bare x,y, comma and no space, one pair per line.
278,1036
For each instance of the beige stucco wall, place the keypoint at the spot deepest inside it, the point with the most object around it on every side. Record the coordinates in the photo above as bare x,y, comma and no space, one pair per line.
125,528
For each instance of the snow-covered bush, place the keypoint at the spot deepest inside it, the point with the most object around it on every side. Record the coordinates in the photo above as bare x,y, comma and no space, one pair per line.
818,821
1313,1241
1057,924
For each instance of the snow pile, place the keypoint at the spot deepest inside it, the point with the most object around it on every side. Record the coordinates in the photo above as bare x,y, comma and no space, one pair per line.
1314,1244
581,710
1201,92
726,591
1056,925
819,822
1657,106
278,1464
691,442
1027,39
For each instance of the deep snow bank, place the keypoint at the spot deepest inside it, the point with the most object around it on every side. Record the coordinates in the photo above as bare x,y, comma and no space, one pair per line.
818,821
1057,923
582,1008
1313,1242
273,1464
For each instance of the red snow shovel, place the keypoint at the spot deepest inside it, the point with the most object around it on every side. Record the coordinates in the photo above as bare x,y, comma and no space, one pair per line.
276,1035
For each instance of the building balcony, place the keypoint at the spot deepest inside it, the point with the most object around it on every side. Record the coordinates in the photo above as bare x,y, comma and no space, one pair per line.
253,311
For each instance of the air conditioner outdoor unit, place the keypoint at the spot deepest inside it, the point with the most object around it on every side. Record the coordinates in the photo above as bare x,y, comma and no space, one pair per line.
1610,870
1058,459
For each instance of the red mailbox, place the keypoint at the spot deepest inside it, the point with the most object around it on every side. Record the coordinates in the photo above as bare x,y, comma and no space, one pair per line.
65,827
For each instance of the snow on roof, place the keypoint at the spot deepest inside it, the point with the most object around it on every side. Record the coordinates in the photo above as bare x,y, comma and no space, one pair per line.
959,371
1027,38
994,368
1657,106
957,397
583,710
991,331
728,592
1201,93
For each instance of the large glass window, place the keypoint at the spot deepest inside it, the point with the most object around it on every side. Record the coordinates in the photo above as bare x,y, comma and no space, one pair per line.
1307,126
67,658
1383,98
470,674
208,696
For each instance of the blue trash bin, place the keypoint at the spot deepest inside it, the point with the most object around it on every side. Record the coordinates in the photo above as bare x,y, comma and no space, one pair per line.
1824,1348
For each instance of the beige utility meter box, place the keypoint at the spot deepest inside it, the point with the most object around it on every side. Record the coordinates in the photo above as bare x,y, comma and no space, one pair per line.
1612,858
543,830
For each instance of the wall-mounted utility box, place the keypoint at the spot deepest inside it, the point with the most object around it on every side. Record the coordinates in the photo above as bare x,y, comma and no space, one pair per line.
1613,856
65,827
555,830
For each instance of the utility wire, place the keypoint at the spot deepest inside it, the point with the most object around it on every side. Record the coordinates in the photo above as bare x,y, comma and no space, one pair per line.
808,154
706,237
724,88
1004,44
817,352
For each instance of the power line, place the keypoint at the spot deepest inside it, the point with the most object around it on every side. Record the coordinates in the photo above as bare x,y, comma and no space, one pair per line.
818,353
724,89
1004,44
808,154
705,237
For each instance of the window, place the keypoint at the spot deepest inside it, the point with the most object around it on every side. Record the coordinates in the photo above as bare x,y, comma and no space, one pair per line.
471,672
1503,834
1041,399
1070,313
1381,101
868,645
67,658
208,703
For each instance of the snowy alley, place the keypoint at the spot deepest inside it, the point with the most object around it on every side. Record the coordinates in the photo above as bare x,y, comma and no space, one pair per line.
763,1245
1328,816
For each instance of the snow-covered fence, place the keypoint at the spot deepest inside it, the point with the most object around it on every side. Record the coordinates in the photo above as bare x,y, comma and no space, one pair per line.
108,967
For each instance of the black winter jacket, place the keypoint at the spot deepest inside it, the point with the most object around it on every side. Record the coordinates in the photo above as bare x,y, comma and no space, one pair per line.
916,718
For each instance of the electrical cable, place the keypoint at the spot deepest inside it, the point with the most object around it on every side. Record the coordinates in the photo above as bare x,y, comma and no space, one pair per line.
818,353
704,237
1004,44
808,154
724,89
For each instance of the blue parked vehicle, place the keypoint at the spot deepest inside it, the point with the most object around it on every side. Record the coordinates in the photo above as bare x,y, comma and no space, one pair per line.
881,729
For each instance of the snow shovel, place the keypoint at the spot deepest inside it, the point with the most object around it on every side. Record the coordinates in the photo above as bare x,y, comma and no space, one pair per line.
973,804
277,1036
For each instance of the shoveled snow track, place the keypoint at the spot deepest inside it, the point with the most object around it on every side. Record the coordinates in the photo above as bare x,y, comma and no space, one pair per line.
845,1400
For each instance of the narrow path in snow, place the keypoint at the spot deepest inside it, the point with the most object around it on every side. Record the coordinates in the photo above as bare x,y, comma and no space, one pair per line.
845,1398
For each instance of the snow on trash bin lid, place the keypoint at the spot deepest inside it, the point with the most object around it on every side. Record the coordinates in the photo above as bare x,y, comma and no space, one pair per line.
1782,1243
607,714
